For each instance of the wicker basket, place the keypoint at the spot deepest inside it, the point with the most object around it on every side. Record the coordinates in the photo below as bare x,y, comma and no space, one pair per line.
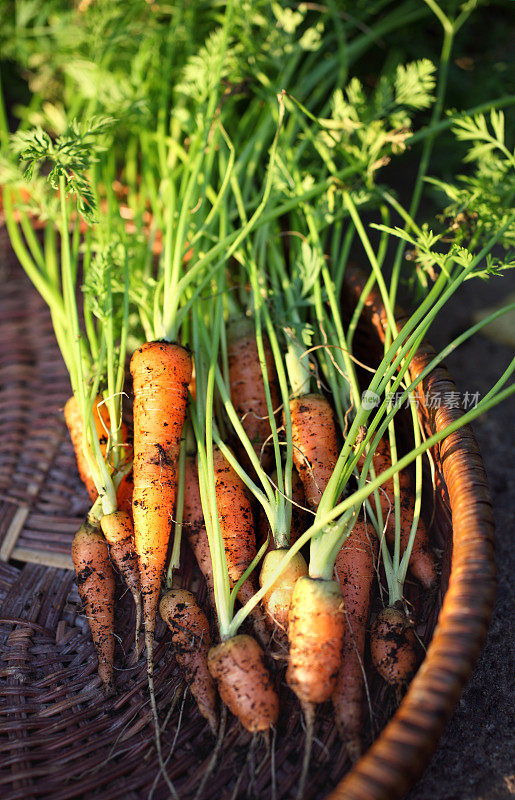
61,740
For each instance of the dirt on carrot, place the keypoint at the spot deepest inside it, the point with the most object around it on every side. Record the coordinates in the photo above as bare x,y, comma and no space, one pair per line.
96,585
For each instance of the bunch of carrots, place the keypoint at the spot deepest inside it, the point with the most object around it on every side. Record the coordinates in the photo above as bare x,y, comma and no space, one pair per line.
255,439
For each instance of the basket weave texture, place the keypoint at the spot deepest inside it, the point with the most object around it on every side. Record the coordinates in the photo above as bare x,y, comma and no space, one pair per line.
60,739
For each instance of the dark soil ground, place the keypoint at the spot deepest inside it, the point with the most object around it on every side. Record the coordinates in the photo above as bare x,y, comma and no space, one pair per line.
475,759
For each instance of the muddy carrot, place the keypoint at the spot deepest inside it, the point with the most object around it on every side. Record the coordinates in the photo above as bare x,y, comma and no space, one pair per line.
392,647
355,570
96,585
118,530
237,530
193,524
315,447
161,372
191,641
247,387
238,666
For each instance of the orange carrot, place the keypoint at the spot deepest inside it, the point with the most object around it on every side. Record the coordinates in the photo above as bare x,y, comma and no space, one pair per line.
315,448
119,532
75,426
193,522
422,562
96,585
315,629
277,600
237,530
392,647
238,666
316,625
355,569
248,389
161,372
124,493
191,641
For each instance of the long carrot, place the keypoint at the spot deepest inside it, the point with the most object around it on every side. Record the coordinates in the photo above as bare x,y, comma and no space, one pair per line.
96,585
191,641
238,666
193,525
118,529
315,447
355,570
247,387
75,427
392,647
422,562
161,372
237,530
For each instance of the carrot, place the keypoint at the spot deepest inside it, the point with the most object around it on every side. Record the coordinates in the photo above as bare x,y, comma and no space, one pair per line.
119,532
247,387
355,565
392,647
315,448
96,585
191,641
161,372
298,515
315,629
124,493
237,530
422,562
277,600
193,522
75,426
316,625
238,666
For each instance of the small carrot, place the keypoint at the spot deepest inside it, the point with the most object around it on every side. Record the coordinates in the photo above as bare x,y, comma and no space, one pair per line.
193,525
247,387
96,585
191,641
315,447
355,570
422,562
237,530
316,625
161,372
392,647
238,666
75,427
118,529
277,600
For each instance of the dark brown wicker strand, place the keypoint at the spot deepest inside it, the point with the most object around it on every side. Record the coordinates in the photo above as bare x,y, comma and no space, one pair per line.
60,739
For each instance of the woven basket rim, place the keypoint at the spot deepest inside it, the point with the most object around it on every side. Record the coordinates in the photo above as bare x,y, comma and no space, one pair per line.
403,749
